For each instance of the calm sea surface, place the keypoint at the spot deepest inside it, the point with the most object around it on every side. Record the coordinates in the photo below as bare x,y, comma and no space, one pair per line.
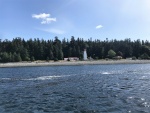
76,89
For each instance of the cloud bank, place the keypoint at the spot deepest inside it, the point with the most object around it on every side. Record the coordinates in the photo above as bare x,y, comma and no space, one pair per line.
46,19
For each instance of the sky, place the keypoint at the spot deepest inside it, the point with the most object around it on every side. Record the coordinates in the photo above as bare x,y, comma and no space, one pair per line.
96,19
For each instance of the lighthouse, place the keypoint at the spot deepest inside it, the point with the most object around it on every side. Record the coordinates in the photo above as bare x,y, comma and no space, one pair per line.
84,55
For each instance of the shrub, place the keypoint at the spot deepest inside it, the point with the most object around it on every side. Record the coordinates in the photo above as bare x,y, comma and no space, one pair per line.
133,58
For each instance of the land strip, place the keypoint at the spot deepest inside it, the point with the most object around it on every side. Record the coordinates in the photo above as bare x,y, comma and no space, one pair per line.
63,63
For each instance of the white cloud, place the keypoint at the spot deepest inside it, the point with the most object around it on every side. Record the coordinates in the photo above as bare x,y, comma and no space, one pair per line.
48,20
99,26
44,17
41,16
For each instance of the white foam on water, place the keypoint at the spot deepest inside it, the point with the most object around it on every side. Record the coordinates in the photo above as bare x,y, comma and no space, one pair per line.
43,78
47,77
106,73
144,78
142,99
38,78
111,72
146,104
5,78
130,97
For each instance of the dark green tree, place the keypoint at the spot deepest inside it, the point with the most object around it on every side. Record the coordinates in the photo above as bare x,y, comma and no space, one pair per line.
17,57
144,56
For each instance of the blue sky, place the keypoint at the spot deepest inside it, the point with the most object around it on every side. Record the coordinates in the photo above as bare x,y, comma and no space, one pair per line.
99,19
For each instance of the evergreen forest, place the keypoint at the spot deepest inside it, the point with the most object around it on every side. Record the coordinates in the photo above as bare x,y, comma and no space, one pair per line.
39,49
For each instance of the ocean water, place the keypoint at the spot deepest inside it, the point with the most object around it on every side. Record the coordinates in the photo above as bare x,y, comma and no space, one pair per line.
76,89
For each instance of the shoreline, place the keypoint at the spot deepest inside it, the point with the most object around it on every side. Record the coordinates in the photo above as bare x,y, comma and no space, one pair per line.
67,63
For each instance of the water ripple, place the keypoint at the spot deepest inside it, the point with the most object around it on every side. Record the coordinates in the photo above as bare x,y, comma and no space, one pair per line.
76,89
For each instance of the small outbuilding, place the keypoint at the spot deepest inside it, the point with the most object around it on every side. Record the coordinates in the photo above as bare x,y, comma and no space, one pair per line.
71,59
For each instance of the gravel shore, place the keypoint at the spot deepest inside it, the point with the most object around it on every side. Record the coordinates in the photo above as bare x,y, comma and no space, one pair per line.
59,63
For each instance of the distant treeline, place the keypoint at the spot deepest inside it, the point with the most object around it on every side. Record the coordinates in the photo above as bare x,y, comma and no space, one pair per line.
35,49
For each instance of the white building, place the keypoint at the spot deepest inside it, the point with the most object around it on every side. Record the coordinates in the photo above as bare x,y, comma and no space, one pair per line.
71,59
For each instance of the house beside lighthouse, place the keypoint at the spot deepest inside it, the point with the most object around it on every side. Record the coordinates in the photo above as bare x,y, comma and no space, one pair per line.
85,55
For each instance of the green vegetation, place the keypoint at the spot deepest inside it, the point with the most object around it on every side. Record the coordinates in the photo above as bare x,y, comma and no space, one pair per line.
111,53
35,49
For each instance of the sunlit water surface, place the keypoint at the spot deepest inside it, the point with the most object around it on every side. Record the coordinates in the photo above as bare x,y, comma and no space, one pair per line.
76,89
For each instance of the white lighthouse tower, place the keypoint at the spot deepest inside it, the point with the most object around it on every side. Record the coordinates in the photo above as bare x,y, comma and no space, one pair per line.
84,55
